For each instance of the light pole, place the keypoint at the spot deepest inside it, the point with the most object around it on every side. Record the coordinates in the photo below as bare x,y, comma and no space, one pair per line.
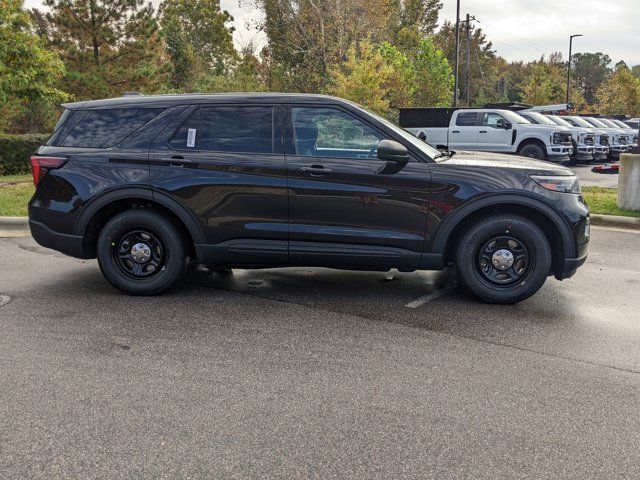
569,66
455,85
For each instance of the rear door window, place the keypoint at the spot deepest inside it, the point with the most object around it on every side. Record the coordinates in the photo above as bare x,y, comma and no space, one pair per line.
238,129
467,119
108,127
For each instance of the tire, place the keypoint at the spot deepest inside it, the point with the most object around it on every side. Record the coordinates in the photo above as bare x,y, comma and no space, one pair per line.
533,150
480,263
122,260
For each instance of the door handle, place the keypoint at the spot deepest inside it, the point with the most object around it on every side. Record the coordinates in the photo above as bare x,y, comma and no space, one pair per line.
175,161
455,131
315,170
483,131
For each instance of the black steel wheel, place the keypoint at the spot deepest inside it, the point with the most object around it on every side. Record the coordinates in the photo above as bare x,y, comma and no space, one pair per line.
141,252
138,254
503,259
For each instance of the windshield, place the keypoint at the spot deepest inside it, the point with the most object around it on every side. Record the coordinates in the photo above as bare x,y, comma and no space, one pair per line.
596,122
559,121
608,123
581,122
415,141
620,124
541,119
514,117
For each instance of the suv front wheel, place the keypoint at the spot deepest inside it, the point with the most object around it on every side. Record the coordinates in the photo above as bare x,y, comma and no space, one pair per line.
141,252
504,259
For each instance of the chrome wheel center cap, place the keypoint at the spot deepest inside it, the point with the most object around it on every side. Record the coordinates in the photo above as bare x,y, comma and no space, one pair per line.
140,252
502,259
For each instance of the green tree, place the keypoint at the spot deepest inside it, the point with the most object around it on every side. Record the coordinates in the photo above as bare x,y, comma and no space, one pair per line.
620,94
636,71
538,87
198,40
483,74
306,38
28,73
108,46
434,77
412,21
589,71
401,81
362,78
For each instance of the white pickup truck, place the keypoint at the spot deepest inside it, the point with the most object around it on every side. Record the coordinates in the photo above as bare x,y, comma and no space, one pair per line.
489,130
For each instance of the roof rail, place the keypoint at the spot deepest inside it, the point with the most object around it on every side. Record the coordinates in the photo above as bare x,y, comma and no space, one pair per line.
132,94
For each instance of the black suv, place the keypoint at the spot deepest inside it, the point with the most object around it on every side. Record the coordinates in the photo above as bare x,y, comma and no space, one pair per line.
145,183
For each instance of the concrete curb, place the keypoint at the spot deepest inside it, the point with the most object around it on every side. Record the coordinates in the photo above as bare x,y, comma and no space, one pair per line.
14,227
615,221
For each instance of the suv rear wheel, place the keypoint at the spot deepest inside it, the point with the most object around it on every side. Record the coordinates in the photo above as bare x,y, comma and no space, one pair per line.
141,252
504,259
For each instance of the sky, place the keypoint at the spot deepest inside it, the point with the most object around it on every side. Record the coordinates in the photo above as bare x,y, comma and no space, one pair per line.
519,29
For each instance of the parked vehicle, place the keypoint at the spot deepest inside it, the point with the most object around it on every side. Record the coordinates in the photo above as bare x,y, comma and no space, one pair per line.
618,139
604,137
583,140
600,138
634,123
633,133
488,130
264,180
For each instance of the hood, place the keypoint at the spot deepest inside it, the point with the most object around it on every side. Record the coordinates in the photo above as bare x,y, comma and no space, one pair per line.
557,128
499,160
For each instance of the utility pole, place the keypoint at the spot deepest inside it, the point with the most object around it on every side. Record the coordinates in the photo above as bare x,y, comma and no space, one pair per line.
455,73
569,65
468,28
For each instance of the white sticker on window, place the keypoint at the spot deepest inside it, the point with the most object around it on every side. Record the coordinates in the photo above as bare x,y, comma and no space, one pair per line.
191,138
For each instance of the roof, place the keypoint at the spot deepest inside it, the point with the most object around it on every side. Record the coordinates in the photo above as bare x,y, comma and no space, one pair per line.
194,98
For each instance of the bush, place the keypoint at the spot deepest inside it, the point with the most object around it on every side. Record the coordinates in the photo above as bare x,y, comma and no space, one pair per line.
15,151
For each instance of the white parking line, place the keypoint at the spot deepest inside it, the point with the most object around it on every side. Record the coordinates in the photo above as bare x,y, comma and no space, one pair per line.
418,302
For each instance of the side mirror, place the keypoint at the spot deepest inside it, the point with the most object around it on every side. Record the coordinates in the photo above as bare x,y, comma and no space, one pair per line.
392,151
422,135
502,123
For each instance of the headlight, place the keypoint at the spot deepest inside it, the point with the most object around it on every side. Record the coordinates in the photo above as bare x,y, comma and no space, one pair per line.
557,138
564,184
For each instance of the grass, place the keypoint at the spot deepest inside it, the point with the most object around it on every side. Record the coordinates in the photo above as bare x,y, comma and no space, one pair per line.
15,193
604,201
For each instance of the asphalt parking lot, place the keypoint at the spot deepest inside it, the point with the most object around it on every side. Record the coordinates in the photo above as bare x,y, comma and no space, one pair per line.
318,373
589,178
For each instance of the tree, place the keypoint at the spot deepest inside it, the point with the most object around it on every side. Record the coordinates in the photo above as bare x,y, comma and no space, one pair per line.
636,71
484,62
411,21
589,71
305,38
108,46
620,94
538,86
362,77
198,39
28,73
400,84
434,77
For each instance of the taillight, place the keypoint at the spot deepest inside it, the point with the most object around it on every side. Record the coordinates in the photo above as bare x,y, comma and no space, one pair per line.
40,166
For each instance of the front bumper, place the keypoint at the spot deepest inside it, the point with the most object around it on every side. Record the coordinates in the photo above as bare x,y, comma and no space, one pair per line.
584,152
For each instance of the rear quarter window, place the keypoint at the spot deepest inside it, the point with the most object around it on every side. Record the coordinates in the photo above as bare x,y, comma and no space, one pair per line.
108,127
